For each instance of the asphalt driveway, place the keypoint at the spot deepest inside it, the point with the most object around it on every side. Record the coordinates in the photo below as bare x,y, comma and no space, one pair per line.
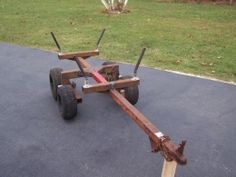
102,141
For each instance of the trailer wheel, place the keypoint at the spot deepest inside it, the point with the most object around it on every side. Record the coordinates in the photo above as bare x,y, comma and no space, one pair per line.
108,63
55,80
67,102
115,73
131,93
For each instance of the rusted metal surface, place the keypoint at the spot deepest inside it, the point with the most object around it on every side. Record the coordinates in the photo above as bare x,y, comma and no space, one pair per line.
102,87
84,64
159,141
72,55
71,74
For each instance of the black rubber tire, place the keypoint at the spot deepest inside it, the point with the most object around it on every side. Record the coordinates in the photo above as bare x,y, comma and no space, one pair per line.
67,102
116,72
55,80
131,93
109,63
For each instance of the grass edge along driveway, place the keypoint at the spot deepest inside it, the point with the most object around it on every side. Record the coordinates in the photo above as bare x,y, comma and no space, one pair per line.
191,38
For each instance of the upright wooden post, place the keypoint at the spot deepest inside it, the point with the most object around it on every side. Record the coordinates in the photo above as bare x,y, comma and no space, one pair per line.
169,168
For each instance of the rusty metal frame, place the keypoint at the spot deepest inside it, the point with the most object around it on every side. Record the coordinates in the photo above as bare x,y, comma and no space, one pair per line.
84,54
102,87
159,142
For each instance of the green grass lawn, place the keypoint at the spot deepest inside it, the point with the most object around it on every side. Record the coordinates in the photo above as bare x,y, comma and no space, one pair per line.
192,38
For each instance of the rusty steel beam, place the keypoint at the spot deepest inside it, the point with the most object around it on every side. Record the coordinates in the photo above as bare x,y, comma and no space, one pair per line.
72,55
159,141
83,63
102,87
71,74
74,73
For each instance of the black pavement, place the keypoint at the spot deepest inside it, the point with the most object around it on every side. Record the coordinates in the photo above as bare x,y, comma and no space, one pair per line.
102,141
